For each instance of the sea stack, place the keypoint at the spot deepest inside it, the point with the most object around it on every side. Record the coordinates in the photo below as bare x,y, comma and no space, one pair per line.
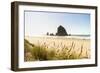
61,31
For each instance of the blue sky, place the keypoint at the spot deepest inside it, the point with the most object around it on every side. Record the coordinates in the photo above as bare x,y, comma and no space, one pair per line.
39,23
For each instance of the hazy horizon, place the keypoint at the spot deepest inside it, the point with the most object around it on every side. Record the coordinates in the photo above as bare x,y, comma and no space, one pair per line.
39,23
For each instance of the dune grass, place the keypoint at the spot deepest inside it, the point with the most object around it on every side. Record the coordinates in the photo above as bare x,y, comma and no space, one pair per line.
32,53
41,53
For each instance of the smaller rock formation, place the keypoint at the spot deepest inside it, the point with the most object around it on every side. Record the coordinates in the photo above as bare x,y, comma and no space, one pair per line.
47,33
51,34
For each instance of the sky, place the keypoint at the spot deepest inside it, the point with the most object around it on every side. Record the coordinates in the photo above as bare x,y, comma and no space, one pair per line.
39,23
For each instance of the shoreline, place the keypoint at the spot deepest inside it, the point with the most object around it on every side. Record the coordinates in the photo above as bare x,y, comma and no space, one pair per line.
62,37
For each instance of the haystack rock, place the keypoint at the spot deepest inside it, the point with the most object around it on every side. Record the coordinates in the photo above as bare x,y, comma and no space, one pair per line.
61,31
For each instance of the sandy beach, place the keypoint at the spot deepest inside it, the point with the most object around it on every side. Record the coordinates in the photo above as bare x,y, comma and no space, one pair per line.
77,46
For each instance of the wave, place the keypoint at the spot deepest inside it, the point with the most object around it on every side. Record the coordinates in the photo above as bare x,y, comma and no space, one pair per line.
64,37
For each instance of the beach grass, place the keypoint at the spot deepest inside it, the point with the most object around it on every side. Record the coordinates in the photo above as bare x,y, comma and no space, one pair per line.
41,52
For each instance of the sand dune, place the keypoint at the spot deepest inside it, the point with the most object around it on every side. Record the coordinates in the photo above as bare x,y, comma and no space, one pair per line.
77,46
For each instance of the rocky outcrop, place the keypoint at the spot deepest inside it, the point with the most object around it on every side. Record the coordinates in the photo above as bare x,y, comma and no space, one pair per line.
61,31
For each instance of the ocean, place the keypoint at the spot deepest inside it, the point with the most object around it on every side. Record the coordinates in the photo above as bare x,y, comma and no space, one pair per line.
64,37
